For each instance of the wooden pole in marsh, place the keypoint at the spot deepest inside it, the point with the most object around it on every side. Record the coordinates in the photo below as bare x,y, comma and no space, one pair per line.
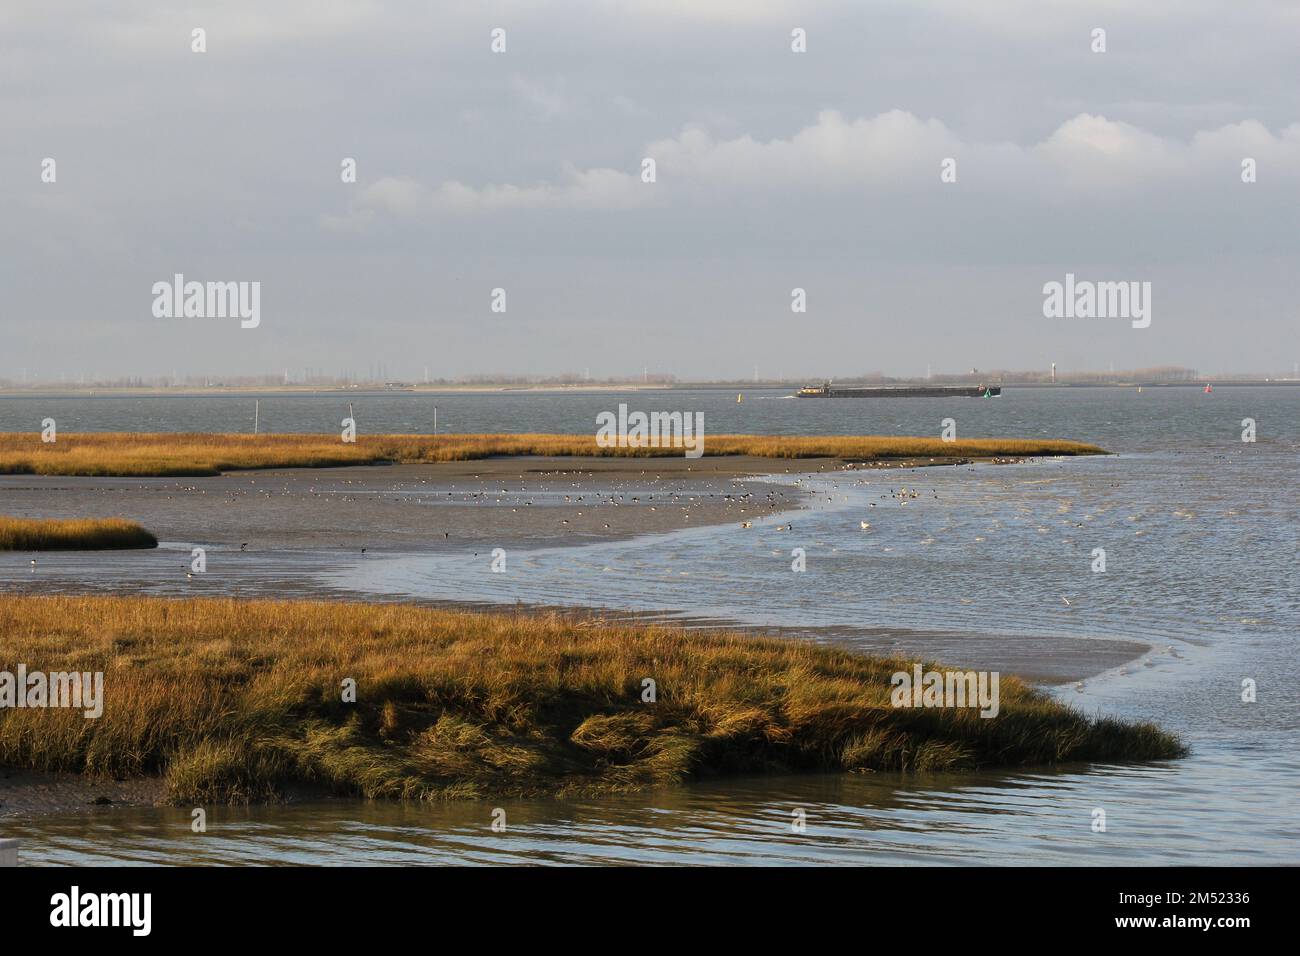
257,409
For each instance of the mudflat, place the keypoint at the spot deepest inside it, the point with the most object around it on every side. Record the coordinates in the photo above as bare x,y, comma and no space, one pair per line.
474,506
291,519
543,501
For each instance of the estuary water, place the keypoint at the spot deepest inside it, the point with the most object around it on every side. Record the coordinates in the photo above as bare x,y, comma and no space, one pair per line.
1199,531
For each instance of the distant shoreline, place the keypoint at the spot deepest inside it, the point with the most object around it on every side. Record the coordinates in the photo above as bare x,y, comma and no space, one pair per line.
87,391
373,389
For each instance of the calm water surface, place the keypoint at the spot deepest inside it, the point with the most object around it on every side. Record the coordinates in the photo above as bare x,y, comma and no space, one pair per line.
1200,532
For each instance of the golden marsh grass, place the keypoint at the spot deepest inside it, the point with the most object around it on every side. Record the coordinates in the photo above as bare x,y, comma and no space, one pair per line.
89,534
146,454
232,701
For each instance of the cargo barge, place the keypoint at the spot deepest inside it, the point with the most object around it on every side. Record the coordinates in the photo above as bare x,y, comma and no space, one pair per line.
900,391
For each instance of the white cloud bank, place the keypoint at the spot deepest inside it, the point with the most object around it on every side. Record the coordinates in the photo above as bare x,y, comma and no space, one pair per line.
1087,157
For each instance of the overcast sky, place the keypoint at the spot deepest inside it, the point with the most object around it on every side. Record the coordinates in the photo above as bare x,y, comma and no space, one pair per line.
522,170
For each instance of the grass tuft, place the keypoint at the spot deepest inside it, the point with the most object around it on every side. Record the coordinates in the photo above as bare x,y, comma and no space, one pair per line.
90,534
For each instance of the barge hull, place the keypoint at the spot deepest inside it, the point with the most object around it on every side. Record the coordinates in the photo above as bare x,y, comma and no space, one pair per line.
903,391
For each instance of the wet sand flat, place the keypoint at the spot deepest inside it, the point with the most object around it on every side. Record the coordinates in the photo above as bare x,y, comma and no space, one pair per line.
504,500
282,515
1040,659
24,793
540,501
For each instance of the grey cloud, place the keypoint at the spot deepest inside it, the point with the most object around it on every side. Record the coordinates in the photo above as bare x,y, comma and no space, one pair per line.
522,170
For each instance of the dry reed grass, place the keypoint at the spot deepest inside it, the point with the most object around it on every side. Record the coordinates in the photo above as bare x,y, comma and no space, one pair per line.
147,454
236,701
88,534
